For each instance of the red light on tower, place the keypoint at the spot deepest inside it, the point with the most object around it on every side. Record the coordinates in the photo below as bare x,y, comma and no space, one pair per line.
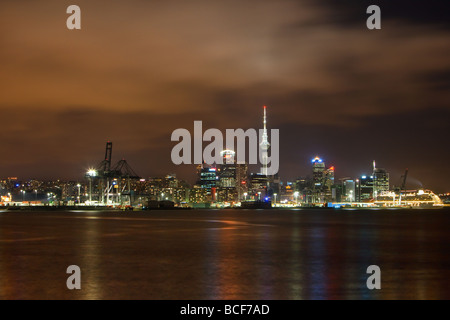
332,168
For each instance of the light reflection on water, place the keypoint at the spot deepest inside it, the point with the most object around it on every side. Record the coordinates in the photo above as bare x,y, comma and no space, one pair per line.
90,252
225,254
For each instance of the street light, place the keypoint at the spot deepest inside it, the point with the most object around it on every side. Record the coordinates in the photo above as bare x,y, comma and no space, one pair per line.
259,195
245,196
275,198
23,196
296,197
92,173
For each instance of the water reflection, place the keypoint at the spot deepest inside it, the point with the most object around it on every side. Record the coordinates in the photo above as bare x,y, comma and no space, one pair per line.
89,253
315,257
226,255
296,276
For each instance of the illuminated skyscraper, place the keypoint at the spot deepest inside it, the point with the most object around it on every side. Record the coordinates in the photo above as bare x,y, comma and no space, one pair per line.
207,180
241,179
380,181
364,188
349,190
318,173
328,176
258,186
227,170
232,177
328,184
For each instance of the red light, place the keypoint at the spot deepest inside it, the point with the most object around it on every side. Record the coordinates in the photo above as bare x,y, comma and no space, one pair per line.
265,107
332,168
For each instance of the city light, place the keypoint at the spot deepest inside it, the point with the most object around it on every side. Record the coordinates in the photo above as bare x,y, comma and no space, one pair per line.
92,173
296,194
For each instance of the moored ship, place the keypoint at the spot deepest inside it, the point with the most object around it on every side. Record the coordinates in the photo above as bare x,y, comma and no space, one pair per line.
414,199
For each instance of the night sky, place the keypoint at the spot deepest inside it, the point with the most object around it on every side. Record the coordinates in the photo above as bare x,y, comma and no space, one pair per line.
140,69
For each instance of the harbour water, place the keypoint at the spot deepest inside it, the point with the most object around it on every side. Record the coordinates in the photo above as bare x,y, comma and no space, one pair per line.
226,254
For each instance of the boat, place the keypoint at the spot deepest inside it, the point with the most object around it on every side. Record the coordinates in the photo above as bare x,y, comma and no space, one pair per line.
412,199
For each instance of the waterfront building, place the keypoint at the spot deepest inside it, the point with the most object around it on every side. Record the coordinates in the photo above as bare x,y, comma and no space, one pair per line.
208,178
318,176
364,188
199,195
328,185
241,180
380,181
349,190
258,186
227,170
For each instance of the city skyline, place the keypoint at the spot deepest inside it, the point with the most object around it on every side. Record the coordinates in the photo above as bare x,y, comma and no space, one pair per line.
107,164
309,175
226,156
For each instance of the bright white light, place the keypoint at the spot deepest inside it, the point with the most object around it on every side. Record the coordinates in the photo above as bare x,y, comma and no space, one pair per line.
92,173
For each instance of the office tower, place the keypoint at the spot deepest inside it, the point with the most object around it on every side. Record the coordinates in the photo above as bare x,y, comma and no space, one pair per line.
328,178
258,186
207,178
226,190
328,185
227,170
349,190
242,180
364,188
318,173
380,181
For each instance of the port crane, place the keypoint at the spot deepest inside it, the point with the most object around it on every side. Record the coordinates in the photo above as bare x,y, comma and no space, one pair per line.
114,182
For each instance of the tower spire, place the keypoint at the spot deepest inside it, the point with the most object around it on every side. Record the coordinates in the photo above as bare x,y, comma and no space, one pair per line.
265,138
265,119
264,145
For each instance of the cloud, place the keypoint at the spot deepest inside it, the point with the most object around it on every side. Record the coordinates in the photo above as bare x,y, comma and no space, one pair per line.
138,70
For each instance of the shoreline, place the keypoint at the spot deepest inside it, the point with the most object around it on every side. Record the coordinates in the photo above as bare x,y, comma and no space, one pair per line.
131,209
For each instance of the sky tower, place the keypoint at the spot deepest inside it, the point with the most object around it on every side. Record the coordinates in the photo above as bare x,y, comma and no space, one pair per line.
264,145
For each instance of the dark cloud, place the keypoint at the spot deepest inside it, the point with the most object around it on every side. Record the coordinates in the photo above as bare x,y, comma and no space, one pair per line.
65,144
414,140
140,69
437,80
351,13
